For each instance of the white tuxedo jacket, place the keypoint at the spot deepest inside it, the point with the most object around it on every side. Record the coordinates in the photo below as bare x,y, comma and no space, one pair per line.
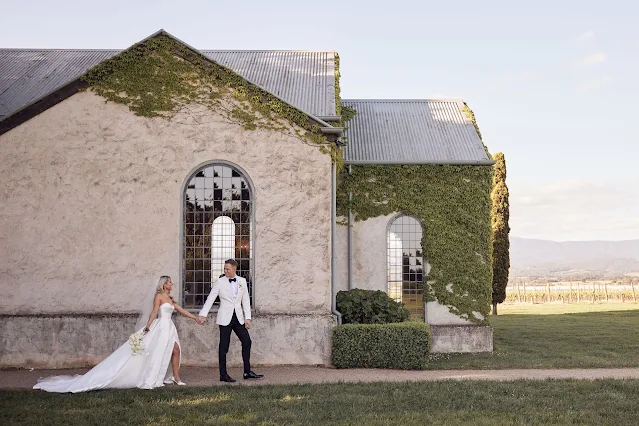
241,304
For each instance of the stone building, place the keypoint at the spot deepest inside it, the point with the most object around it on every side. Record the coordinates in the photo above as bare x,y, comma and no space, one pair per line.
120,166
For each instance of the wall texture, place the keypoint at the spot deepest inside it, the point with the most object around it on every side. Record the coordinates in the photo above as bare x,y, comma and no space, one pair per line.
90,208
369,254
461,338
67,341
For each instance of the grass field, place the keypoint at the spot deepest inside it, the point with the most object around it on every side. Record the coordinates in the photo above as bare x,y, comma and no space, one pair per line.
556,336
445,403
526,336
561,308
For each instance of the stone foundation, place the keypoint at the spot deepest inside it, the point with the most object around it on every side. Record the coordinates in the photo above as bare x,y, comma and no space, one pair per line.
277,340
69,341
461,338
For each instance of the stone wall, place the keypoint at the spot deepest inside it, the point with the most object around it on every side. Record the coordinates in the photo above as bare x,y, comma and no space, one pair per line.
68,341
461,338
90,208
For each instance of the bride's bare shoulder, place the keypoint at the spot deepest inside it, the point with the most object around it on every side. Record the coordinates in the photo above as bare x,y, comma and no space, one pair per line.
162,298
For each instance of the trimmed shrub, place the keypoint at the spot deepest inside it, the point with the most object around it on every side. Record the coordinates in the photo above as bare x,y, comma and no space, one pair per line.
369,307
402,346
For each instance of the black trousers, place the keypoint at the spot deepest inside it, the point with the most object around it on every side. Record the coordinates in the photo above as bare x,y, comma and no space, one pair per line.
225,339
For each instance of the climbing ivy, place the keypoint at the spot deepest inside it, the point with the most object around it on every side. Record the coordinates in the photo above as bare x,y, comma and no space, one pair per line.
348,114
453,204
338,99
471,115
160,76
345,113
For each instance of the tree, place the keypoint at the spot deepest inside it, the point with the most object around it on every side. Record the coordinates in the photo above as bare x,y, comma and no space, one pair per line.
501,229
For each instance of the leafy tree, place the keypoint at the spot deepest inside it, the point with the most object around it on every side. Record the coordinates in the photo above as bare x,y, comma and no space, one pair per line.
501,229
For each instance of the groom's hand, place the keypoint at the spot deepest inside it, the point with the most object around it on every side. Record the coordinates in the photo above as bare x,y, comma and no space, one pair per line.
200,320
247,323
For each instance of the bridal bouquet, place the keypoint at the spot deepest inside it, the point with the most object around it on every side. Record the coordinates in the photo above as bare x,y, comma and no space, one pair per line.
135,341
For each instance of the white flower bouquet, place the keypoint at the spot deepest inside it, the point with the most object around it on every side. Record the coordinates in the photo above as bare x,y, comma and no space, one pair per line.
135,341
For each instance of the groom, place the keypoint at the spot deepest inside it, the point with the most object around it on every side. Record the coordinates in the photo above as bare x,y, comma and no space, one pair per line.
234,314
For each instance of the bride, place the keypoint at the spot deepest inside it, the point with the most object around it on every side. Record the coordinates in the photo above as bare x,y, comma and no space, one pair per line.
124,369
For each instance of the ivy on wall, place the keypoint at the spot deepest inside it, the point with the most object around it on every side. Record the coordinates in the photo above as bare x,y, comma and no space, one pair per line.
471,115
338,90
159,76
345,113
453,204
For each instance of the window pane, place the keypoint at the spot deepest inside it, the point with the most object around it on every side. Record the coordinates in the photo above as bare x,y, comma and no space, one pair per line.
217,213
405,277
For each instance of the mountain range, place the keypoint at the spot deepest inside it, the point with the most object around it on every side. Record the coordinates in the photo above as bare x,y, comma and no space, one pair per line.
551,259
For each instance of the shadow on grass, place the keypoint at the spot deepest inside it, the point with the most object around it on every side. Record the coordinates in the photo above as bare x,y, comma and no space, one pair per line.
451,402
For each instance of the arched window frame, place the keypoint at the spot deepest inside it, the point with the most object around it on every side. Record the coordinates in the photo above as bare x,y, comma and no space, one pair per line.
252,238
421,258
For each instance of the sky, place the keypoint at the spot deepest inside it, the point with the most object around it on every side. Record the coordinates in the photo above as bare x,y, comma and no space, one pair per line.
553,84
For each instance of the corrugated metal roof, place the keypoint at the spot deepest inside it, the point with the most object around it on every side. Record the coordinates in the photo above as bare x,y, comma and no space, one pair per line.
27,75
304,79
412,132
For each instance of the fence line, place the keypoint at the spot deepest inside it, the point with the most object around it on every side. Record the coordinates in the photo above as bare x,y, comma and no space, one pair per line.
571,292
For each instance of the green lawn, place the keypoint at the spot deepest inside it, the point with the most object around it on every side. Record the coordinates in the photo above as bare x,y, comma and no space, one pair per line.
562,308
556,336
477,403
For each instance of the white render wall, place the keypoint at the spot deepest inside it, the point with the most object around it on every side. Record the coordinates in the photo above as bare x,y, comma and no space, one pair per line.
90,204
370,264
369,254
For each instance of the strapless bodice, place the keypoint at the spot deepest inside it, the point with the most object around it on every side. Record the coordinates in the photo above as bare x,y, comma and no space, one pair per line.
166,310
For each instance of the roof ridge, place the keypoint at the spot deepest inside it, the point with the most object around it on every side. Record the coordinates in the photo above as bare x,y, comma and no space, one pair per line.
268,50
36,49
48,49
405,100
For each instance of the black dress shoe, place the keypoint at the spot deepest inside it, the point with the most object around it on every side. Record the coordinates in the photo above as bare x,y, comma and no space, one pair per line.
227,378
253,375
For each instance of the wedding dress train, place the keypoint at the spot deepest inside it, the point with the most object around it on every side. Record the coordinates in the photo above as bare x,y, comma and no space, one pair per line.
122,369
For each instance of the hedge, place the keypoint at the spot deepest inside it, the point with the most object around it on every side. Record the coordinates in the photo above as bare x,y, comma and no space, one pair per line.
369,307
402,346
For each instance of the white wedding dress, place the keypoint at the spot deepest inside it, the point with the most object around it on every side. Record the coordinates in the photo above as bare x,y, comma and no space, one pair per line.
122,369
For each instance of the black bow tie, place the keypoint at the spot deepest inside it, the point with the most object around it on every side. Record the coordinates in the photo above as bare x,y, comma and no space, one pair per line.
232,280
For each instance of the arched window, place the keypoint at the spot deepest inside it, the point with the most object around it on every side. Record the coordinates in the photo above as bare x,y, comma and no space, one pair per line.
406,263
217,225
222,244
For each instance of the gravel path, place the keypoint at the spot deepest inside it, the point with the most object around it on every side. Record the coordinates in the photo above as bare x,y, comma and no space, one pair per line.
200,376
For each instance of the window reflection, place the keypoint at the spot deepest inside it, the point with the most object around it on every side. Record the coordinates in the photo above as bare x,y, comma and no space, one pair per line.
217,225
405,263
222,243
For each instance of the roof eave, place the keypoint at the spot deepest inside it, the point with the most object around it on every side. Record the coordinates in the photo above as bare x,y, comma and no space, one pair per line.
42,104
422,162
330,117
330,130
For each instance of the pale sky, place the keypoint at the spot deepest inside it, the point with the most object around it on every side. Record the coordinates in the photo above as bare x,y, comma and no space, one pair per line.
553,83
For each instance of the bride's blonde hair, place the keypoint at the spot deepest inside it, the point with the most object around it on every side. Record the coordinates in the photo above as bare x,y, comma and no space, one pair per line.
163,280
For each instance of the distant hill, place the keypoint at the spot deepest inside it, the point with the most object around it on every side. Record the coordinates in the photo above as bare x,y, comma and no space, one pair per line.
542,258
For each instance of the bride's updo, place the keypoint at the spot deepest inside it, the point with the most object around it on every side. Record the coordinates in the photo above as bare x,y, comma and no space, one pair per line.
161,281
